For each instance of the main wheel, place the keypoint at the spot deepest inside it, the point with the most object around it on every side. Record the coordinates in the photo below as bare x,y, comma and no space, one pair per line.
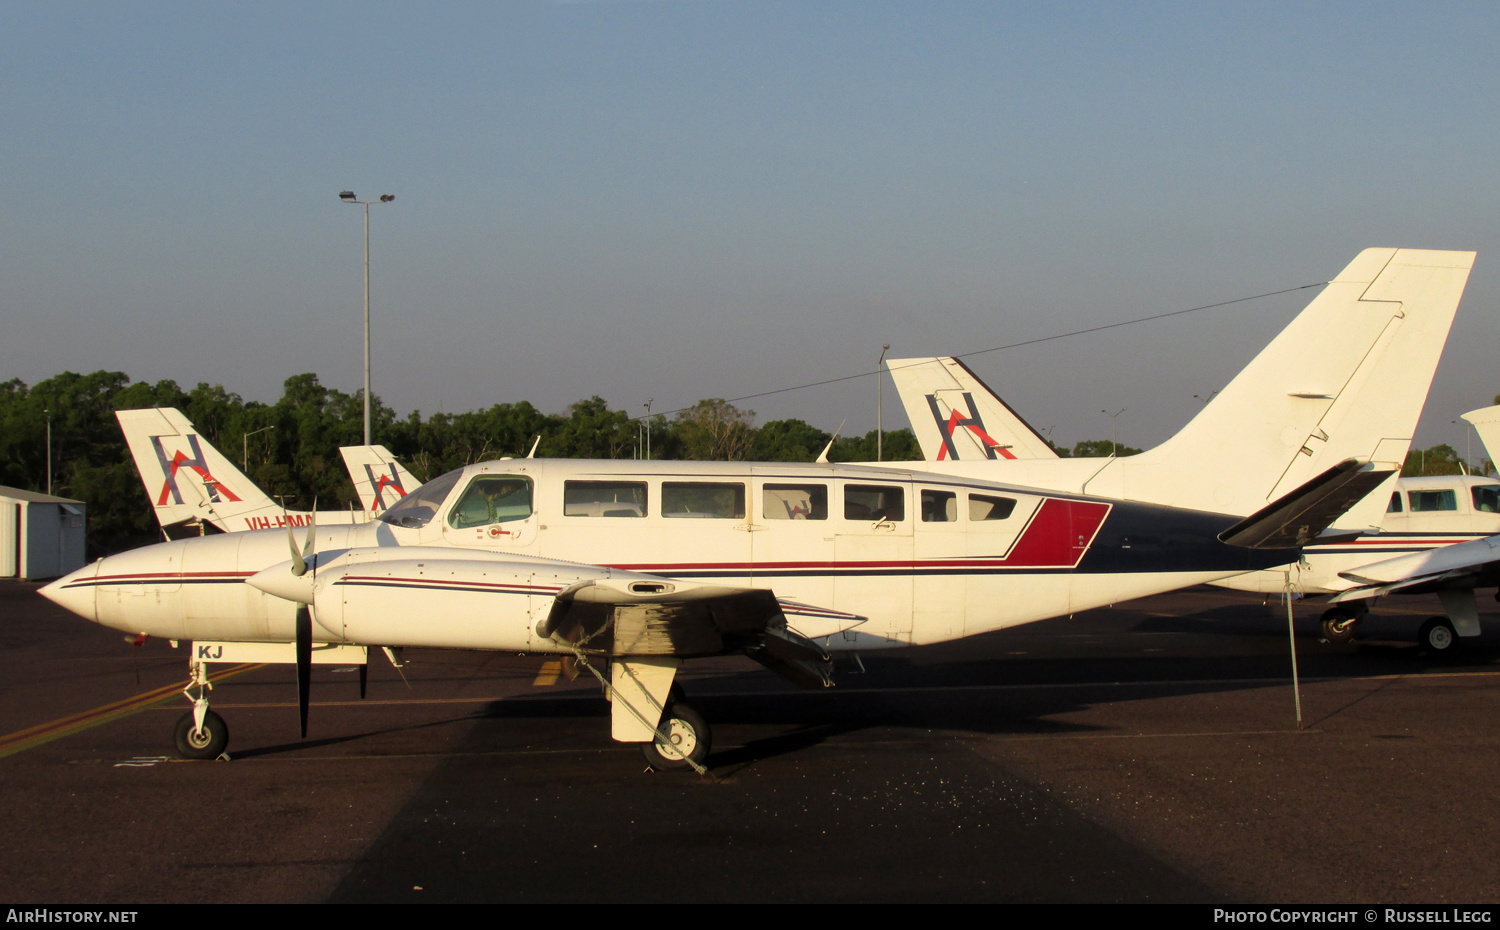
206,743
1338,625
1437,636
689,739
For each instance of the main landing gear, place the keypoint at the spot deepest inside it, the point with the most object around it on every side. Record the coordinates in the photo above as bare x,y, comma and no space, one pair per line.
1438,637
1337,623
682,741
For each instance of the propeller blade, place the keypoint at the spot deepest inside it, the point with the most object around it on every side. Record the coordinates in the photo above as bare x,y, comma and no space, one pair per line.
304,662
299,563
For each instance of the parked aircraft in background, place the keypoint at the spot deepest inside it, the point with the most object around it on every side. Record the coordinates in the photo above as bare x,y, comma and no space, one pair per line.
378,478
1453,572
191,483
643,565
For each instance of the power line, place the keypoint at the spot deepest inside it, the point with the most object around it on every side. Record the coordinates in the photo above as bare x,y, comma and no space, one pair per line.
1017,345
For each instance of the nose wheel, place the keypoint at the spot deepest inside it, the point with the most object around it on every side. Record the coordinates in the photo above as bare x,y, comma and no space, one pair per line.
201,742
200,733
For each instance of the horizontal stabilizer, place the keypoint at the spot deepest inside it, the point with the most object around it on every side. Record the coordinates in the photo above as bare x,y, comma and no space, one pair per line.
1299,517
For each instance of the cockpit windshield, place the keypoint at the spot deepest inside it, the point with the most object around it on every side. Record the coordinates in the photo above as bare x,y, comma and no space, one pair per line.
419,507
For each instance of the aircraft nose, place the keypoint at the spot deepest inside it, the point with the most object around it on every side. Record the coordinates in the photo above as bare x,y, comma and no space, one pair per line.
75,592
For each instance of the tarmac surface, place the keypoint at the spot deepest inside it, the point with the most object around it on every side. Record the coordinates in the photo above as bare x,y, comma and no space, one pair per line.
1148,752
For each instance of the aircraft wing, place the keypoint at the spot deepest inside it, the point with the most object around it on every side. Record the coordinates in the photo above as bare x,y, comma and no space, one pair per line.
370,596
1463,565
956,416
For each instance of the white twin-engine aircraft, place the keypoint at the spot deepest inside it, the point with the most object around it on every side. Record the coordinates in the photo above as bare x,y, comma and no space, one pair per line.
642,565
190,482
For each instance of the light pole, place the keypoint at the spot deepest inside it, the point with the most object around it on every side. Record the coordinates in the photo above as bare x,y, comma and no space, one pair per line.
648,427
1113,447
879,406
245,444
48,413
348,197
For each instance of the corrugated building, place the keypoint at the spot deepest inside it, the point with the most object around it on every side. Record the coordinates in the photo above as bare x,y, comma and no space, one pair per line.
41,536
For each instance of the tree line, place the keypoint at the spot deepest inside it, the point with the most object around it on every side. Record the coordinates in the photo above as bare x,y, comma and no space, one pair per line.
290,448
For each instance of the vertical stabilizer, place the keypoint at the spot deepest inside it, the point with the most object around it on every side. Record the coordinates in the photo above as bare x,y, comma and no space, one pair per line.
186,478
956,417
1486,422
1345,380
378,478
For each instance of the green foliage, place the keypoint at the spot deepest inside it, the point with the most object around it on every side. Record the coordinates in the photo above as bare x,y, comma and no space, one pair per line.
1438,460
1097,449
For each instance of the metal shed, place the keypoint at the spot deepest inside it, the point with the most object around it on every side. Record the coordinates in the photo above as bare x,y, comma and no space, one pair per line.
41,536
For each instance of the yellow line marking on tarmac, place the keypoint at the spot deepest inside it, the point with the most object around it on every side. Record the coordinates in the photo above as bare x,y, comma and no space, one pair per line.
548,674
31,737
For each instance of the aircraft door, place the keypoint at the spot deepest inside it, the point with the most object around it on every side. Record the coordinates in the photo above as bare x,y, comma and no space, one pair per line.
495,512
791,537
873,546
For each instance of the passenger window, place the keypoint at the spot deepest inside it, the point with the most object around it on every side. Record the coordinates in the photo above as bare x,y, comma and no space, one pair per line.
1395,504
1486,499
983,507
604,499
874,502
1430,501
939,506
794,502
707,500
492,499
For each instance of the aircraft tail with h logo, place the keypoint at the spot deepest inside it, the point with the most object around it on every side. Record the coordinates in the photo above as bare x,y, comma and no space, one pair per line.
378,478
956,417
190,483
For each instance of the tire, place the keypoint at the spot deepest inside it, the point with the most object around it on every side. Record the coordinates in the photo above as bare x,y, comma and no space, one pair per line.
1338,625
1437,637
207,744
690,734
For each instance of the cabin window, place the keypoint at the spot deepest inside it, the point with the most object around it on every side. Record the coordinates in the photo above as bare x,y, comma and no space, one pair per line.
703,499
939,506
1486,499
794,501
492,499
874,502
1430,501
1395,504
604,498
984,507
419,507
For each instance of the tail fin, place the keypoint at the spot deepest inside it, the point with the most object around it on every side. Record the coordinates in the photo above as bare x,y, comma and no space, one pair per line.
378,478
1345,380
957,417
1486,422
186,478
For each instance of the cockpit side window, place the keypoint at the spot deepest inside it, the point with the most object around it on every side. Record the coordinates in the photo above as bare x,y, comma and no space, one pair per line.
1395,504
419,507
492,499
1486,498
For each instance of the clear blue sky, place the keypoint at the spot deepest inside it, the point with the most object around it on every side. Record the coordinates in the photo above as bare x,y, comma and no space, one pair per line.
677,200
